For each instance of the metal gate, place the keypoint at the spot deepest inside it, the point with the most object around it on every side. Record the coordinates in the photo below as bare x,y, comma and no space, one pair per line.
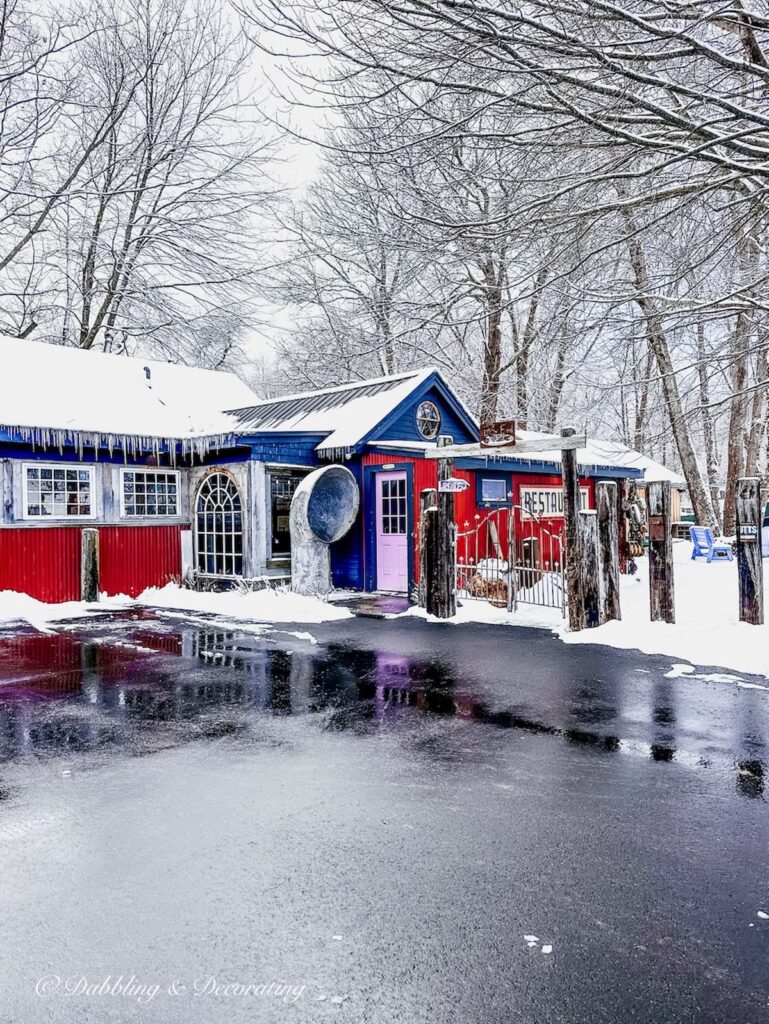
509,556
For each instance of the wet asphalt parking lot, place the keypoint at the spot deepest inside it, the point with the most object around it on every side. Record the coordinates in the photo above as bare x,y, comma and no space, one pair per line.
363,821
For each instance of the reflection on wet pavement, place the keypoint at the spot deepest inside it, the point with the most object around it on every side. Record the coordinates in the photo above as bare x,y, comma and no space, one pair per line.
380,813
143,683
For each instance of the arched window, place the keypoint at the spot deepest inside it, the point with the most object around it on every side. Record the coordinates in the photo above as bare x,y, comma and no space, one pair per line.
219,527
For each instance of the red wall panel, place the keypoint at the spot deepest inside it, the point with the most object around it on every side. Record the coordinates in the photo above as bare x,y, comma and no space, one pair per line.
425,474
44,563
132,558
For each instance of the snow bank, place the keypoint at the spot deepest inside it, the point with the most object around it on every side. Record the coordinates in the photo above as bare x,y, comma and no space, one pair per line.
707,630
263,606
16,607
269,605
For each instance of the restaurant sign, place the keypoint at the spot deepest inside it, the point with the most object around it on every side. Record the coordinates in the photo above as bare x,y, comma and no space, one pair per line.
547,502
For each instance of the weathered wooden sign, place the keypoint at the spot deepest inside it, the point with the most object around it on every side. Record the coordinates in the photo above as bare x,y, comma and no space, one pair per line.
453,485
547,502
497,433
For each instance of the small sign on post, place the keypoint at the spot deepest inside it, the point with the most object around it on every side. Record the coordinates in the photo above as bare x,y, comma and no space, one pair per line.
454,485
750,568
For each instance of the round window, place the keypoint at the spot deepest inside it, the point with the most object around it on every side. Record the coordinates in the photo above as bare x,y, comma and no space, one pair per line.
428,419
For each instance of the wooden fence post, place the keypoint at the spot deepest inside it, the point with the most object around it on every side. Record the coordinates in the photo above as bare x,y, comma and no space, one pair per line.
447,579
574,597
89,565
589,571
440,599
750,567
661,590
608,550
428,498
623,545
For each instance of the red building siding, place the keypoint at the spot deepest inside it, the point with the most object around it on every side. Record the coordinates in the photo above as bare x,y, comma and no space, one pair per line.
44,562
132,558
425,474
468,513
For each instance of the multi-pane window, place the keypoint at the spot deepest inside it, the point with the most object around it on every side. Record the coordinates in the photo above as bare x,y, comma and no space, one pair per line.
150,492
219,527
428,419
57,491
394,505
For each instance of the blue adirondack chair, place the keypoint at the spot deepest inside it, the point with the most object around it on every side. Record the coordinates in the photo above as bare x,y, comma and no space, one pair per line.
705,547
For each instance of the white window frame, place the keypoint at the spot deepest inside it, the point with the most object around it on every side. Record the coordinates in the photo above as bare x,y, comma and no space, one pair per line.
150,469
80,467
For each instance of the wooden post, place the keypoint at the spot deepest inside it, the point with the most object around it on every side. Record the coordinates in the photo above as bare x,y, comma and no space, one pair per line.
623,545
512,581
440,599
661,591
428,498
589,572
608,550
445,595
571,534
750,567
89,565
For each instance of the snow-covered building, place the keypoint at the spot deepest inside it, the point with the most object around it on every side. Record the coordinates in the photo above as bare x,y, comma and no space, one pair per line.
182,469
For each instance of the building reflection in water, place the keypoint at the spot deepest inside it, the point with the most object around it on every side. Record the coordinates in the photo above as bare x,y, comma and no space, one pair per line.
61,692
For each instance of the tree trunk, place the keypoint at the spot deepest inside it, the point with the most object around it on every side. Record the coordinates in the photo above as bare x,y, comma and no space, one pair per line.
735,446
711,454
758,410
492,355
655,335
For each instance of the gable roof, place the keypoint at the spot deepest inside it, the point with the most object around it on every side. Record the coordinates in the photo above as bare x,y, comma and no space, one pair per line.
344,416
49,393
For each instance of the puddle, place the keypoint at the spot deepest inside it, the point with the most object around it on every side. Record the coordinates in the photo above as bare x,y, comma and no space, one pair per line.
140,682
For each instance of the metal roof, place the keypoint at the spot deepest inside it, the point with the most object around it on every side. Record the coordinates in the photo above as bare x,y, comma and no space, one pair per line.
281,413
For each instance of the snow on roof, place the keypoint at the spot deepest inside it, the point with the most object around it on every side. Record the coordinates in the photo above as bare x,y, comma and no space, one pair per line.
597,455
345,414
609,454
52,392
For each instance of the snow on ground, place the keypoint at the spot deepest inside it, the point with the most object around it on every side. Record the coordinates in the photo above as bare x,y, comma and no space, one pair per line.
269,605
261,606
16,607
707,629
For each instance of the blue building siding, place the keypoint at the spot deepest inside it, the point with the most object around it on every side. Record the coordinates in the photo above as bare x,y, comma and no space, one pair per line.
347,554
293,449
402,425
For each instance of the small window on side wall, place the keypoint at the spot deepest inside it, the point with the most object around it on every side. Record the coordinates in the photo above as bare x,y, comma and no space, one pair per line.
57,491
150,493
493,490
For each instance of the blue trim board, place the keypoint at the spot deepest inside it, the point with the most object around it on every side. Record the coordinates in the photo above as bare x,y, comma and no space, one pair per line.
27,453
369,525
511,465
